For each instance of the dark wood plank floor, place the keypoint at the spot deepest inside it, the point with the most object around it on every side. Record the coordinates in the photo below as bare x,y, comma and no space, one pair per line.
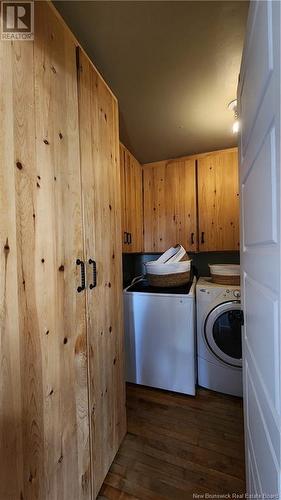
178,446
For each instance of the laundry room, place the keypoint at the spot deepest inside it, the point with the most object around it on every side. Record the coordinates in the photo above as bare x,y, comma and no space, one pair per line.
140,270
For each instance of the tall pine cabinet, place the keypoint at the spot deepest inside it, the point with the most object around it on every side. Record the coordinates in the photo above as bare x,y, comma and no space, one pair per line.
62,398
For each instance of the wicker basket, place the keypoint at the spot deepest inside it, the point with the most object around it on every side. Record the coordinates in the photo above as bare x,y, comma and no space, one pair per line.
225,274
168,280
226,280
172,269
169,274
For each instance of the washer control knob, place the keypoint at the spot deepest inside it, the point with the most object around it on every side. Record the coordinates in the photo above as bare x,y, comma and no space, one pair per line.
237,294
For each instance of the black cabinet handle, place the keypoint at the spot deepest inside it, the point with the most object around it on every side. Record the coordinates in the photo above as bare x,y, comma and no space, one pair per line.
192,238
125,237
202,237
94,284
129,238
82,286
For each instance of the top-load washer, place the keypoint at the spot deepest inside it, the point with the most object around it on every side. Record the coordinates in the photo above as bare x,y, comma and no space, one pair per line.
160,336
219,343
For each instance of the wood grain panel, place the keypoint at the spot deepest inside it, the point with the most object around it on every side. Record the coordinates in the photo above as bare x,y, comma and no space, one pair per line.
59,244
45,425
11,423
170,205
102,225
132,202
124,223
218,201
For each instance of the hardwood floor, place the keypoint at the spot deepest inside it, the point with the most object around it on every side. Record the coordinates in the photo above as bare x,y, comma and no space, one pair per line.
178,446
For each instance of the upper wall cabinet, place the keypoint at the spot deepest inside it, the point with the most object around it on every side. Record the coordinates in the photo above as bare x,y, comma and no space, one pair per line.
132,203
218,201
170,205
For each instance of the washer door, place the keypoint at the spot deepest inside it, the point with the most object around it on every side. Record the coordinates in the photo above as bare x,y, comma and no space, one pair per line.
223,332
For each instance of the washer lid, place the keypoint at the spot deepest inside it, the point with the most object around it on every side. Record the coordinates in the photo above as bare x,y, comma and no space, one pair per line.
223,332
142,286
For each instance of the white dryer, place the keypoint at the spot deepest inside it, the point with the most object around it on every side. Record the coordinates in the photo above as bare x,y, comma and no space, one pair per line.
219,343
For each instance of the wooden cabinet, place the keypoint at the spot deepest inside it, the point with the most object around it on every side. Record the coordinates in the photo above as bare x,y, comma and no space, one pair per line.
192,201
98,111
170,205
132,202
218,201
62,401
44,431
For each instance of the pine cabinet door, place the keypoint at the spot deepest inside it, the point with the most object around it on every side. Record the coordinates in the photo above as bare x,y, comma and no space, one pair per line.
218,201
170,205
99,144
131,186
124,218
44,424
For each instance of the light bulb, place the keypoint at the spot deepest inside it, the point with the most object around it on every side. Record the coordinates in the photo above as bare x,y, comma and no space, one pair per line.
233,105
235,127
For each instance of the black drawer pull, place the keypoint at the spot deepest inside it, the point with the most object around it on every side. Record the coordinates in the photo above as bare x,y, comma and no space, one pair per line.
129,238
82,286
192,238
94,284
202,237
125,241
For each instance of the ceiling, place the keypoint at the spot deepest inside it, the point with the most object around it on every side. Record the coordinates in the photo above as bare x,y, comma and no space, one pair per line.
173,66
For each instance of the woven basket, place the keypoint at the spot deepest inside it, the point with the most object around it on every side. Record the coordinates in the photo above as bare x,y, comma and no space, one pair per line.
225,280
168,280
173,272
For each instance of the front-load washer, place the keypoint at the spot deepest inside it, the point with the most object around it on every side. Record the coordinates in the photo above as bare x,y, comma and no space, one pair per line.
219,342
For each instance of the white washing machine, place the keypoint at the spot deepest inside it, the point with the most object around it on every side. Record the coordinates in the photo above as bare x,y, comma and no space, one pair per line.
219,343
160,336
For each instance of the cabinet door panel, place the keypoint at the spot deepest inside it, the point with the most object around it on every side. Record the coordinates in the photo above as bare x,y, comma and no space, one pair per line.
170,205
11,423
58,243
99,144
132,203
43,323
138,231
218,201
124,223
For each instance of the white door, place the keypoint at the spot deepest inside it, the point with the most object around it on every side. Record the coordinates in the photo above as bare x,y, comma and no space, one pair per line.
259,108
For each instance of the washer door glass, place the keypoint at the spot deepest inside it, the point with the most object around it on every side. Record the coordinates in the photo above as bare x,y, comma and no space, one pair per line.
223,332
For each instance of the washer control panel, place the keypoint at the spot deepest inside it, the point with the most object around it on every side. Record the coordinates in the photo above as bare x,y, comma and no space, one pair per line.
217,293
230,294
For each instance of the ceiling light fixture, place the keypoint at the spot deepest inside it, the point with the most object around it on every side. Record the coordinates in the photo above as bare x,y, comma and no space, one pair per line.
233,107
235,127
